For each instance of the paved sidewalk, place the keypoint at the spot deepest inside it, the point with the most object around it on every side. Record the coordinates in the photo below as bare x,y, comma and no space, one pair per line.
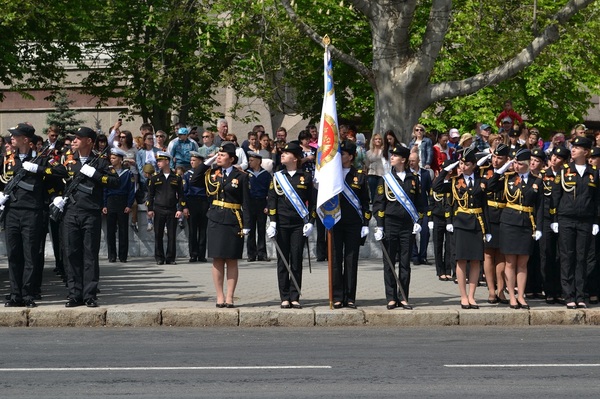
141,293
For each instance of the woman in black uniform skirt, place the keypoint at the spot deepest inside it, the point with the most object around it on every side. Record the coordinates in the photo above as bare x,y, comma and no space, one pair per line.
291,215
469,194
228,217
518,222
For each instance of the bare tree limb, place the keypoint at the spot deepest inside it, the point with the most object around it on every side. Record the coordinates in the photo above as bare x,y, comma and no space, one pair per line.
433,40
362,69
515,65
364,7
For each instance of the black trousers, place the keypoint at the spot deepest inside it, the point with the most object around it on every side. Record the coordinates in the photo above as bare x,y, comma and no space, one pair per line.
550,264
56,235
257,246
346,245
535,282
398,239
321,240
291,243
197,223
82,230
441,246
38,270
573,245
420,253
165,217
117,220
23,232
592,287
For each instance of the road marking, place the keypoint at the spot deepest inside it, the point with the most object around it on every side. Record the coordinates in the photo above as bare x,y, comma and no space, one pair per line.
163,368
522,365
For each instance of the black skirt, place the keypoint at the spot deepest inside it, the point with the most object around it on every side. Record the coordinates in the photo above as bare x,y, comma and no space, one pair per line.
224,241
468,244
516,240
494,230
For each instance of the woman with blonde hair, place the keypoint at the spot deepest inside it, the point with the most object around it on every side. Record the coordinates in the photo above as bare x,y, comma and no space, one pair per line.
374,162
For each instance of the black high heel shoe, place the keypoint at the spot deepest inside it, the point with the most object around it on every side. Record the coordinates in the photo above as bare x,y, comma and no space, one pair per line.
517,306
524,306
220,305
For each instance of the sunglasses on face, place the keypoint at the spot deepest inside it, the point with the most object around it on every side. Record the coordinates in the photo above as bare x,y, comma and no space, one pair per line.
419,130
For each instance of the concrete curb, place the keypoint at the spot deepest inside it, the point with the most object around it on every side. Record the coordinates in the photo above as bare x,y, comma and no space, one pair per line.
274,317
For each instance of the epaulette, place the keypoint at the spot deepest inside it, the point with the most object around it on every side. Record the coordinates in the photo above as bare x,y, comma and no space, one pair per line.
535,176
543,171
566,166
112,170
594,167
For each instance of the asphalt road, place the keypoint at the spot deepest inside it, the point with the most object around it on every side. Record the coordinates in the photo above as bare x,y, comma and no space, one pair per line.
297,363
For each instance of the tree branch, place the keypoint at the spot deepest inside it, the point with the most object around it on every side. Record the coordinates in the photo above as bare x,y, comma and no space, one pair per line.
363,70
433,40
515,65
364,7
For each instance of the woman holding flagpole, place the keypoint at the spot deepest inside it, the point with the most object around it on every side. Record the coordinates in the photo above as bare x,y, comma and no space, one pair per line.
291,215
397,207
350,230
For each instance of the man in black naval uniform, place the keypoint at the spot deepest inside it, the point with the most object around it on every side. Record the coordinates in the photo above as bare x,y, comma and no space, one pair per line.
24,212
118,203
82,222
549,242
259,180
576,220
349,231
166,203
197,206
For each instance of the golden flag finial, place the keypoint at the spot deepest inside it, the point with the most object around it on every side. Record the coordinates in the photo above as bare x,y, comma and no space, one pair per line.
326,40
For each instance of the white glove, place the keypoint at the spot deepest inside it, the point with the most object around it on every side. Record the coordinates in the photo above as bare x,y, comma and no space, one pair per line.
488,237
484,159
88,170
271,230
3,198
537,235
554,227
505,167
451,166
595,229
245,231
378,233
307,229
211,160
430,225
30,166
364,231
59,202
416,228
450,228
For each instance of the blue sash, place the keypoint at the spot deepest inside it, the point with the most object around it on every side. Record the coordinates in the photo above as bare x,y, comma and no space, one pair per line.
352,199
401,196
291,194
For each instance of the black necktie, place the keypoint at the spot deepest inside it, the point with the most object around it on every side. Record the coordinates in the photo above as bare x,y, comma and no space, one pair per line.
470,182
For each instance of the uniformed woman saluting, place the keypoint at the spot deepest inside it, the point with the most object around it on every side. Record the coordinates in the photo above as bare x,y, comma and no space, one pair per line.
398,208
228,217
519,221
469,194
291,215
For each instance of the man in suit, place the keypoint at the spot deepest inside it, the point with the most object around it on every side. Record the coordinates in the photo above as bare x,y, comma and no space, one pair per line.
419,255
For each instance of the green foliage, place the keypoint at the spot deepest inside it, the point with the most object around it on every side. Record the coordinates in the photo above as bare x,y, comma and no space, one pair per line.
63,116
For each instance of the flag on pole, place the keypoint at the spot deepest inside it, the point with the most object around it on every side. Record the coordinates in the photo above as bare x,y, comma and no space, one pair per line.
329,173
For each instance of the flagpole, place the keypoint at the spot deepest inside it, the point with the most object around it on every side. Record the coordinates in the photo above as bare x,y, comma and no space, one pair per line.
330,266
326,41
